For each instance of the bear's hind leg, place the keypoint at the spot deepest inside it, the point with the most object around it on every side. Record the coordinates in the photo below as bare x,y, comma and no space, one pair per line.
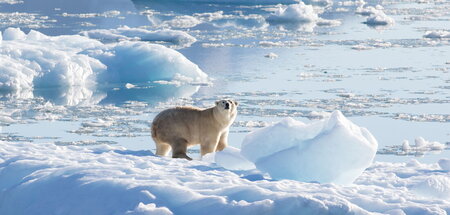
179,149
162,148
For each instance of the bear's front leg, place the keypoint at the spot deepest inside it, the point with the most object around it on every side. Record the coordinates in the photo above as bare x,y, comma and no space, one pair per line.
223,141
209,145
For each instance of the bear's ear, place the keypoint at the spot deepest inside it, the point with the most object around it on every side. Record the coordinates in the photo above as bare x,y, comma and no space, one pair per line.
236,103
217,103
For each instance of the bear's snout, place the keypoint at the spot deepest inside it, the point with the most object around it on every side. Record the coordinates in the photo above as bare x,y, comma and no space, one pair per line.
227,106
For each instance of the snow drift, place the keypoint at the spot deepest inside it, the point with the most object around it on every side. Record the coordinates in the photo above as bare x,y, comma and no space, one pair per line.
333,150
50,179
35,60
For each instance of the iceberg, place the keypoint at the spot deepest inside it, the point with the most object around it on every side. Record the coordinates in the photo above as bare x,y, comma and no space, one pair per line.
333,150
37,61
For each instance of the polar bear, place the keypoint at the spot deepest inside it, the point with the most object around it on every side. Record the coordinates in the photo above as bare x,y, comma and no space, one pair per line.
181,127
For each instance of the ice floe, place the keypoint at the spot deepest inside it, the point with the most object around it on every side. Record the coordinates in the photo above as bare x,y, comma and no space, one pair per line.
85,180
375,15
107,14
441,34
271,55
10,2
313,152
176,37
420,148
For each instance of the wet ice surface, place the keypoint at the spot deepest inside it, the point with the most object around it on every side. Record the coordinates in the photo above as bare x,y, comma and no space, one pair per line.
393,79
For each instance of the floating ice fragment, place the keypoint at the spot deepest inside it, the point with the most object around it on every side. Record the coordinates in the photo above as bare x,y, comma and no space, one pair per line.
405,146
379,18
129,86
333,150
441,34
294,13
126,33
421,143
376,16
271,55
368,11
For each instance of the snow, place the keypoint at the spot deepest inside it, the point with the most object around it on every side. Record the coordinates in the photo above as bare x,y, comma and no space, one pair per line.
230,158
444,164
434,187
312,152
47,178
35,60
126,33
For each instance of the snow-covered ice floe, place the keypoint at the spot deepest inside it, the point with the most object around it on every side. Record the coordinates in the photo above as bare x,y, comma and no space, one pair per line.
420,148
176,37
48,178
35,60
333,150
441,34
244,2
376,16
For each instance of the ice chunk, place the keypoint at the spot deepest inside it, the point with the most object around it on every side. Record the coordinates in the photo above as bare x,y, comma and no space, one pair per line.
152,62
271,55
378,17
405,146
231,158
151,208
424,145
368,11
333,150
444,164
13,34
295,13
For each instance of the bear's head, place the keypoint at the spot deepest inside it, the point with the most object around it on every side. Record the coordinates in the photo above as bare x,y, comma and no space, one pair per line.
227,105
226,110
